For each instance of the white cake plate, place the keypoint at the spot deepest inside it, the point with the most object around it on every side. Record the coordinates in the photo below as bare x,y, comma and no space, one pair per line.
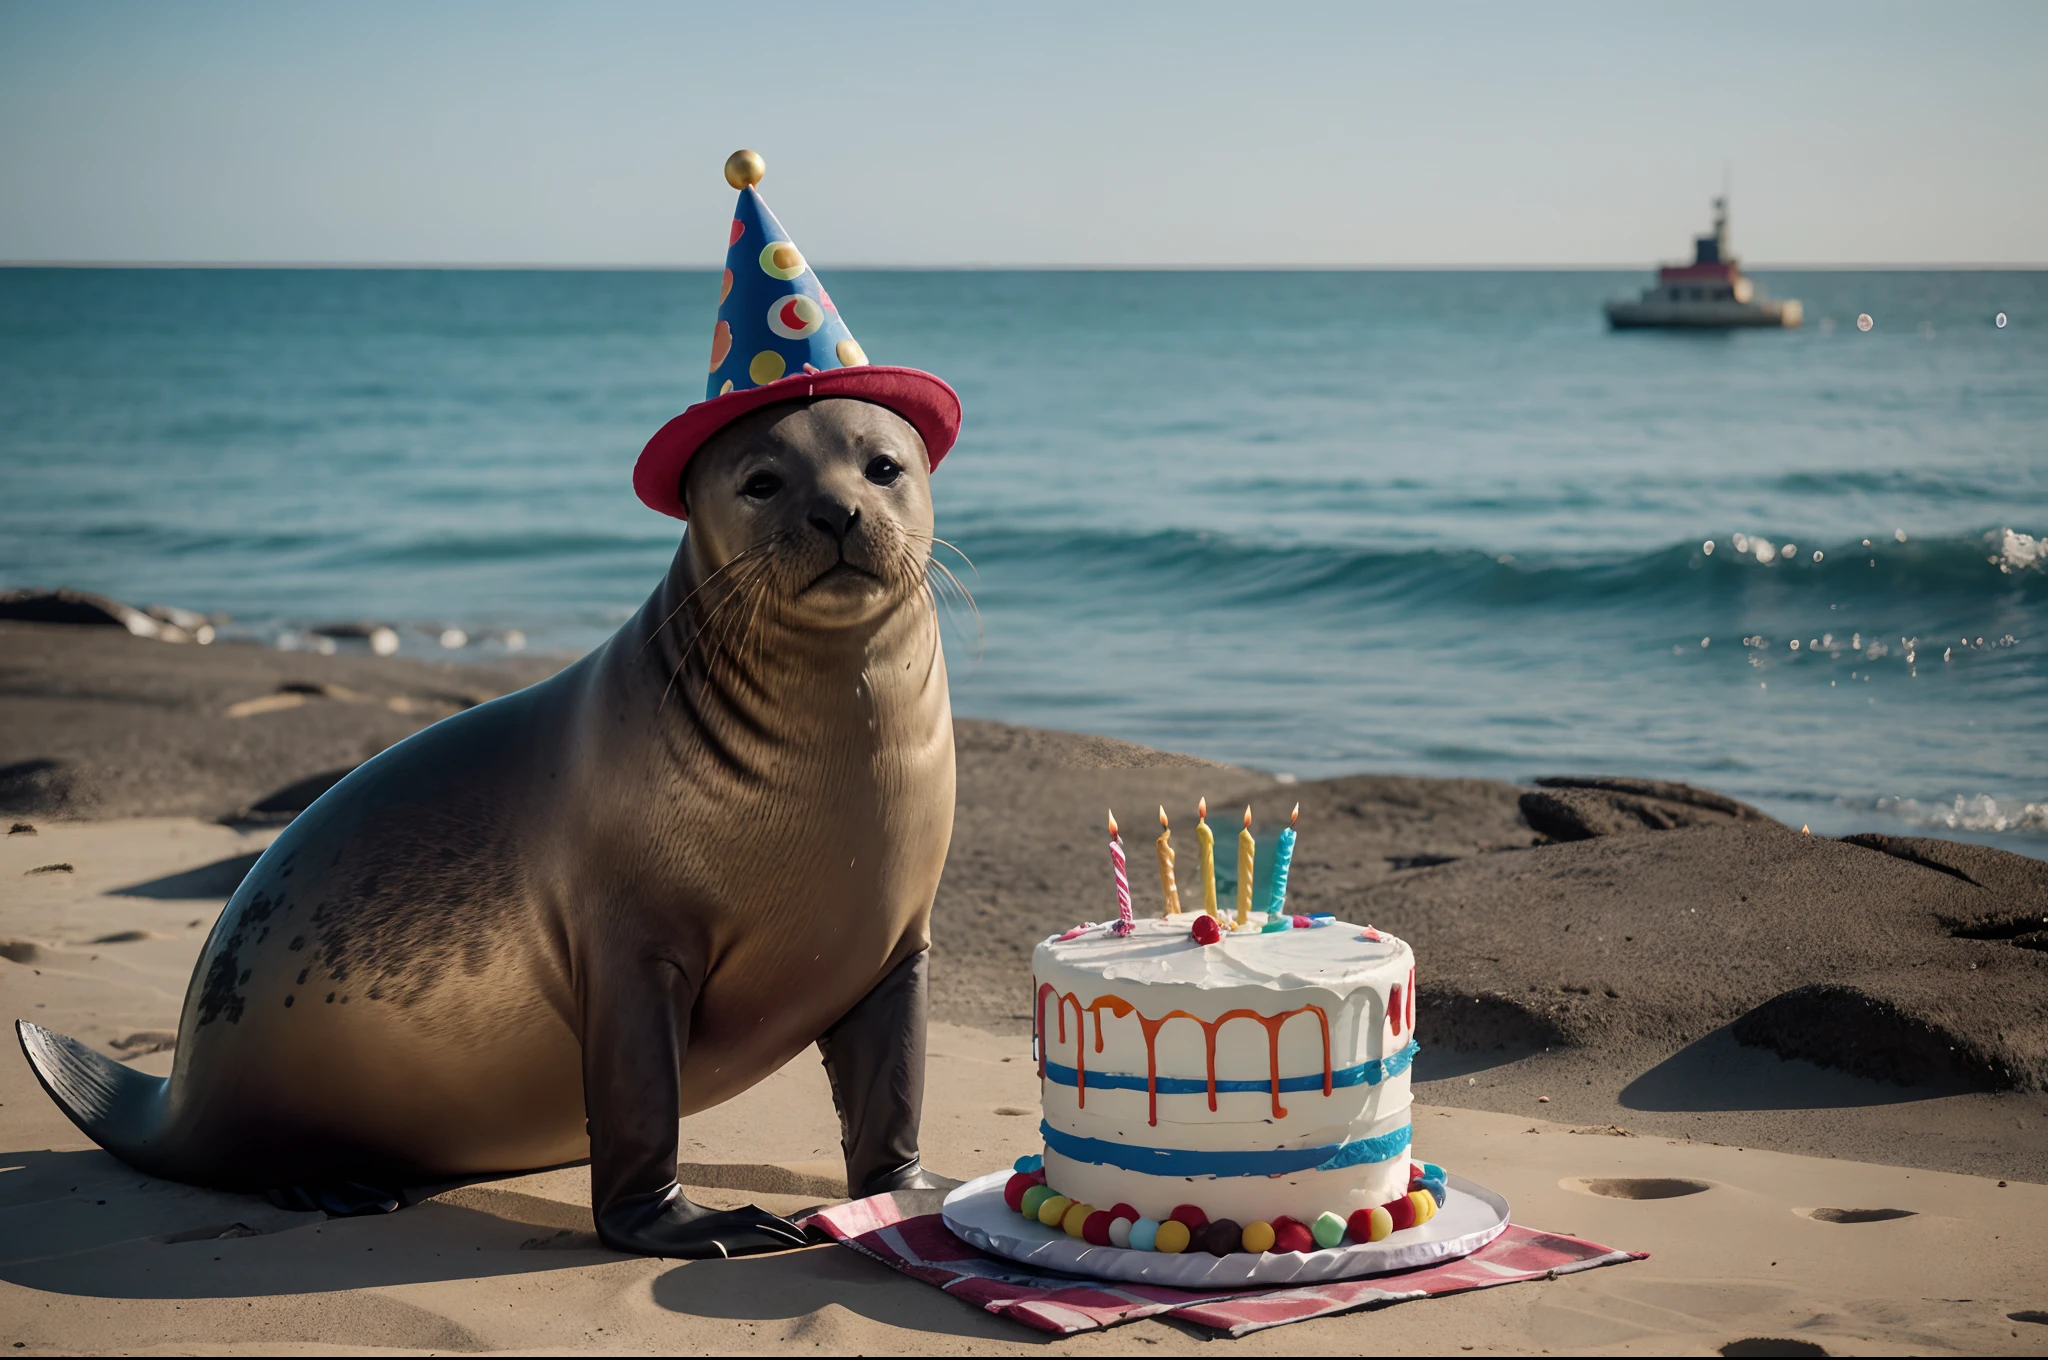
1471,1217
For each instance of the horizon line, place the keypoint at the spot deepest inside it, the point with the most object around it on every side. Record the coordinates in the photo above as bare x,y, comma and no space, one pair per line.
1096,268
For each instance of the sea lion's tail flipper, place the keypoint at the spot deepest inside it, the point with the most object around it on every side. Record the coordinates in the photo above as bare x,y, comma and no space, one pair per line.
116,1106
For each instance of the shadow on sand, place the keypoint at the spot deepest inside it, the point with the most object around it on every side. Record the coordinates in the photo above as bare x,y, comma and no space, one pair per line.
1717,1073
84,1224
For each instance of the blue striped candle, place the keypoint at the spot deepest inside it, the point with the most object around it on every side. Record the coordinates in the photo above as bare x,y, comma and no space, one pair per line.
1282,858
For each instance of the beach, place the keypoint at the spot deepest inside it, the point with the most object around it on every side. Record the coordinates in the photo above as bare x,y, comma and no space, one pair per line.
1621,983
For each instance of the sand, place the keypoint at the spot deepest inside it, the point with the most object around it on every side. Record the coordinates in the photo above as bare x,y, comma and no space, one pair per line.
1720,917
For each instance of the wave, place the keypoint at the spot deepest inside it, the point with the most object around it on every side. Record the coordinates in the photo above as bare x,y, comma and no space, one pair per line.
1999,566
1981,813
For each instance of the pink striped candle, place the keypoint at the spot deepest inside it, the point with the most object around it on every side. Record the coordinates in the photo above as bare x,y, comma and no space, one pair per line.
1124,925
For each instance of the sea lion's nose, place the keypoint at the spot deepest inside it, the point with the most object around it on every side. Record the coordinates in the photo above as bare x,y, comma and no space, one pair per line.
833,517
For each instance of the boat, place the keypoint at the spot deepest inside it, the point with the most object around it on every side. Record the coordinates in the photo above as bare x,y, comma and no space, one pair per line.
1710,292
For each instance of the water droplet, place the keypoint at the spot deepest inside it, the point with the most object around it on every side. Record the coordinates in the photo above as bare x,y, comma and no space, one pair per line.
1705,641
1999,321
1863,322
1795,644
453,638
1899,534
1790,550
1816,554
1708,547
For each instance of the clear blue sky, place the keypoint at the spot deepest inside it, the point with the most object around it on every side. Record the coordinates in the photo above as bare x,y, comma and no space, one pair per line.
1023,134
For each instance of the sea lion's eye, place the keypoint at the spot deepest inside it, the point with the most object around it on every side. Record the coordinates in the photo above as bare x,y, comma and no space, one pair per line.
884,470
761,486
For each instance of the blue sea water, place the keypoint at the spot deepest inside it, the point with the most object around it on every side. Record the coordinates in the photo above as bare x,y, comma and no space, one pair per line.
1314,522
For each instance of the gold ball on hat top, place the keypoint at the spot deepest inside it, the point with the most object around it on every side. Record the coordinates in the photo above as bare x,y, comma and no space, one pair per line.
743,168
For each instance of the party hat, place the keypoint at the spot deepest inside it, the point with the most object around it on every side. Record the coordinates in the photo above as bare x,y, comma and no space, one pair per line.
780,338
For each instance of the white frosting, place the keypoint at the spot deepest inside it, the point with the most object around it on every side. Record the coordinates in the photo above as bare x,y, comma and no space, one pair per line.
1331,972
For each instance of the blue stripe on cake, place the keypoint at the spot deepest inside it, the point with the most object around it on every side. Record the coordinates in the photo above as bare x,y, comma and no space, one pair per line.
1185,1162
1364,1074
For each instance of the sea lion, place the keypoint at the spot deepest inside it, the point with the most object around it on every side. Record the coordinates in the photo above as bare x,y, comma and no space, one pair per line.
621,895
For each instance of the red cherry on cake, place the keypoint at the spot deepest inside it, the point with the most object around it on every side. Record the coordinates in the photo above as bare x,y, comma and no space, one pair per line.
1290,1234
1205,929
1221,1238
1188,1214
1013,1190
1095,1228
1360,1225
1122,1210
1402,1211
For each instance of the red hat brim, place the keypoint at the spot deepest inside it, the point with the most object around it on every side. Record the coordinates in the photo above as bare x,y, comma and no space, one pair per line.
932,408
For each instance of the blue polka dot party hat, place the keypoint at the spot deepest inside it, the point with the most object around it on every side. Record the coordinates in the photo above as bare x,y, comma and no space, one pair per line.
779,337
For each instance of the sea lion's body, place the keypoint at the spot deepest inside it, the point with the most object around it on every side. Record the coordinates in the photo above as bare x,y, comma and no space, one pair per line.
549,926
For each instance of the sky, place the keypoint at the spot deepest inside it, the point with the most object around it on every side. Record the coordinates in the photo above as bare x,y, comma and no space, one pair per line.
1046,134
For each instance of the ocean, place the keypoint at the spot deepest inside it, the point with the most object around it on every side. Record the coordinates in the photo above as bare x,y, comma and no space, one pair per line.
1443,523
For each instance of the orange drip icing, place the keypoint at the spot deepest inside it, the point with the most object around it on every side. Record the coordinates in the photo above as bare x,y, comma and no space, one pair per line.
1119,1007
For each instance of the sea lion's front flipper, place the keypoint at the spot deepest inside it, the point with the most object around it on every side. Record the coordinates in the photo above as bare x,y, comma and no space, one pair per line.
874,1056
636,1025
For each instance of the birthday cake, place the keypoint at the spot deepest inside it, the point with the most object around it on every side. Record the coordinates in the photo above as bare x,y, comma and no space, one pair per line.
1232,1084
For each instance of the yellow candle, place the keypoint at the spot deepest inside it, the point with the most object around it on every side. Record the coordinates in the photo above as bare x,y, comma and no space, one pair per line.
1207,840
1247,848
1166,884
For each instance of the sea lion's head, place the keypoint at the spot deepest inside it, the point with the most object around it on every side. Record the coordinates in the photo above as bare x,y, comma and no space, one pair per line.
820,508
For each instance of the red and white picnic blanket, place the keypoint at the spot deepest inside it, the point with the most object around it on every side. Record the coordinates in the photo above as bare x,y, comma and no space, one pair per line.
923,1248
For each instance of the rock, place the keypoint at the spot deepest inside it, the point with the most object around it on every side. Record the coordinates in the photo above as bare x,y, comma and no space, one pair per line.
288,802
44,786
161,622
1577,808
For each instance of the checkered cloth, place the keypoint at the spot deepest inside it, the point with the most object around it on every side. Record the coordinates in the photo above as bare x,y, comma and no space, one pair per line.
921,1246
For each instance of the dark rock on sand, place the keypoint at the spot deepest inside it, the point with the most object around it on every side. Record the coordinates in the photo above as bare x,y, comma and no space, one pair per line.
96,722
1820,949
43,785
277,809
164,623
1578,807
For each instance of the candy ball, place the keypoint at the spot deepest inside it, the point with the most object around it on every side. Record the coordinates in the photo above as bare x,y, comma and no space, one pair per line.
1220,1238
1032,1199
1432,1172
1301,923
1192,1216
1123,1210
1052,1209
1328,1230
1173,1237
1095,1230
1013,1191
1436,1191
1359,1225
1292,1235
1401,1212
1145,1235
1029,1162
1258,1237
1075,1218
1205,929
1425,1205
1120,1231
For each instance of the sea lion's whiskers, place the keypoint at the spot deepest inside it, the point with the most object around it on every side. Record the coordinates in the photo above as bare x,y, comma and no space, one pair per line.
706,626
743,555
980,629
940,542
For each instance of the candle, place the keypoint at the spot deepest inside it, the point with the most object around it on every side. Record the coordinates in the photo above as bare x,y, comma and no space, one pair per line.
1247,848
1207,840
1167,887
1123,925
1283,857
